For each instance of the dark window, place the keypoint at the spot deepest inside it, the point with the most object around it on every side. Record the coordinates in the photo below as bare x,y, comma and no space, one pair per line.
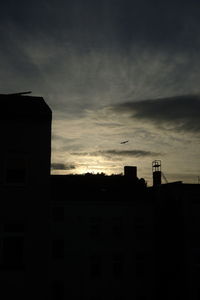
57,290
141,232
139,223
12,227
119,297
117,227
15,176
117,266
198,292
11,252
58,213
11,246
140,264
96,297
197,259
16,170
95,267
58,249
141,297
95,227
194,240
80,219
1,171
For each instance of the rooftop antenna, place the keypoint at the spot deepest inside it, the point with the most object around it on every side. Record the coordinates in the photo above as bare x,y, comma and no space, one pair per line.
156,171
20,94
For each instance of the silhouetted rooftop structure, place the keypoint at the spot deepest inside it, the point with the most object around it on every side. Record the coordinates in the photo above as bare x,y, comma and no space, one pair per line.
23,107
95,186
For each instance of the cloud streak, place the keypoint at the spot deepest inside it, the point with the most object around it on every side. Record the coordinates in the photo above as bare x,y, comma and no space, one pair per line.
180,113
62,166
124,153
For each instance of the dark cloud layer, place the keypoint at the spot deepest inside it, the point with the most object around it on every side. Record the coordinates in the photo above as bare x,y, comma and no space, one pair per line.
108,22
177,113
61,166
111,153
58,48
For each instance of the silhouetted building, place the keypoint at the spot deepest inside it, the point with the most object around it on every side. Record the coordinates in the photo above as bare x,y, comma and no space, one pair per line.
25,153
177,240
102,238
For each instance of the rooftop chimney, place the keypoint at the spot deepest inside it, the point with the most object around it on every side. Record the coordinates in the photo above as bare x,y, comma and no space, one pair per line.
130,172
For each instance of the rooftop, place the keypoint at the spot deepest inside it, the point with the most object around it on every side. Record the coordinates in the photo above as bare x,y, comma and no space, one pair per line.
20,106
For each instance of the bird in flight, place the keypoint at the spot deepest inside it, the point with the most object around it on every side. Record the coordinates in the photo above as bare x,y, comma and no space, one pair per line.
124,142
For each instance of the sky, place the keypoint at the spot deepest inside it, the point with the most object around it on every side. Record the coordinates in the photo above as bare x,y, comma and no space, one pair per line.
111,70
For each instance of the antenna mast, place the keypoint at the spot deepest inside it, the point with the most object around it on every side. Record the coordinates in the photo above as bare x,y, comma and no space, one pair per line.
156,172
20,94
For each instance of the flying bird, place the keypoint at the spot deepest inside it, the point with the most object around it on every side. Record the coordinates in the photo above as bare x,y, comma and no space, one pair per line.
124,142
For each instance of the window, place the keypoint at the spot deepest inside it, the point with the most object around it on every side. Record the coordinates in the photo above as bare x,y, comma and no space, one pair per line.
58,213
117,231
96,297
12,252
16,170
140,264
140,296
95,227
15,176
1,170
57,290
12,246
198,292
196,256
140,230
117,266
119,297
58,249
194,240
139,223
13,228
95,267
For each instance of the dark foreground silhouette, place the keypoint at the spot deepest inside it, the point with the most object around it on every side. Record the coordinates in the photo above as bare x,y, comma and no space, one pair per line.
88,237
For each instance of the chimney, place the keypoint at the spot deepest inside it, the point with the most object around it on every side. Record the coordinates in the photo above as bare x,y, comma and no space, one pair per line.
130,172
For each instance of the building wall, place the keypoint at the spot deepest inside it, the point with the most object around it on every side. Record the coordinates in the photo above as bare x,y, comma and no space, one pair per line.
107,248
177,246
24,191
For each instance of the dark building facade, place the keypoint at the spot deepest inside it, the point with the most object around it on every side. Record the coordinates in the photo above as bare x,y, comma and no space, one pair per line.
102,238
177,240
24,191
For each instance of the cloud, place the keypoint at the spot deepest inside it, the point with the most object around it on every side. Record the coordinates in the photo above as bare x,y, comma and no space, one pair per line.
179,113
135,153
111,153
97,23
62,166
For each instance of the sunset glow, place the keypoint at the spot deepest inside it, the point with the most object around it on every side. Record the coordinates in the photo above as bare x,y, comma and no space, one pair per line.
110,73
